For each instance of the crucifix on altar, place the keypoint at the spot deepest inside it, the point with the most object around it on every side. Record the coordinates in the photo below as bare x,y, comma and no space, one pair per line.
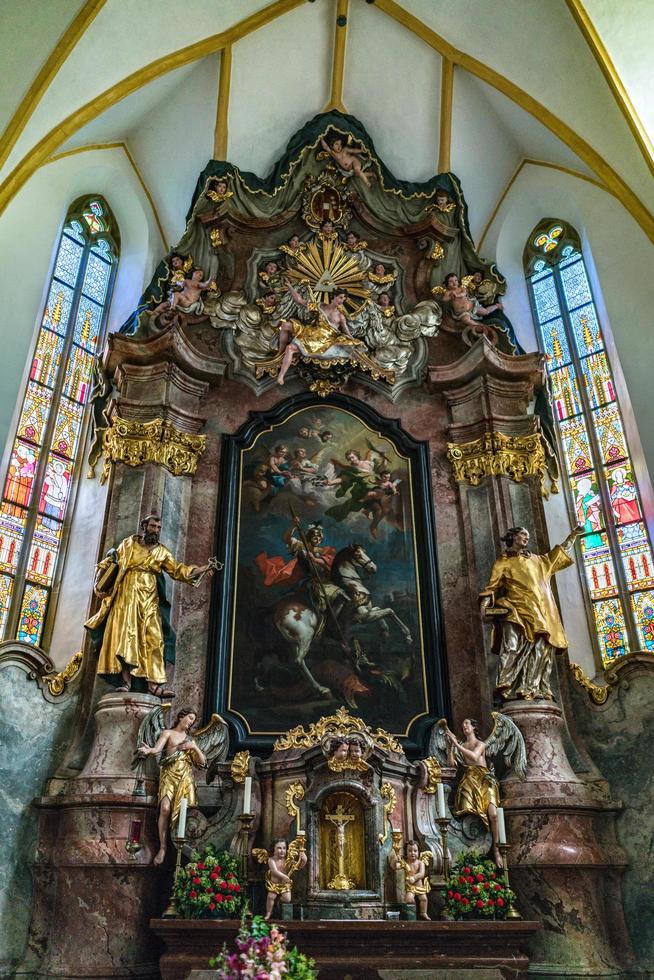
340,819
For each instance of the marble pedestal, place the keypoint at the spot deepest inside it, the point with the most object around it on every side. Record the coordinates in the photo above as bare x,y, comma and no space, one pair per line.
95,887
565,862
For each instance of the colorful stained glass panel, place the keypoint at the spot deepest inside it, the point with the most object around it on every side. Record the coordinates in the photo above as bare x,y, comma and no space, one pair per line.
598,566
642,604
598,379
20,475
623,493
636,556
575,284
96,278
610,626
588,337
55,488
587,502
545,297
68,261
78,374
565,393
610,433
32,614
67,428
34,416
47,358
58,307
575,444
87,324
6,585
556,344
12,529
43,552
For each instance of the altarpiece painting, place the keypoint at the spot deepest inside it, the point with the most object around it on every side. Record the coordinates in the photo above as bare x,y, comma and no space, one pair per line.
330,595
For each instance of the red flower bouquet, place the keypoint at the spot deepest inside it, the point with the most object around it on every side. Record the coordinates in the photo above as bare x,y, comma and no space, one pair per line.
476,889
208,886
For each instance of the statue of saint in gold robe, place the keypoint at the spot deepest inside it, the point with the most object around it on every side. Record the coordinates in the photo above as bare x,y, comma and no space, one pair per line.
528,635
133,635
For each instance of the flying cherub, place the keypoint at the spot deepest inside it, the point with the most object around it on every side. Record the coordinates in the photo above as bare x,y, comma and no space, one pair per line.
347,157
478,789
366,482
284,861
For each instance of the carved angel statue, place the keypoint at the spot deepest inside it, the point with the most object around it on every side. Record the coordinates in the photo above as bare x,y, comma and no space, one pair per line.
478,789
348,157
416,876
284,861
179,753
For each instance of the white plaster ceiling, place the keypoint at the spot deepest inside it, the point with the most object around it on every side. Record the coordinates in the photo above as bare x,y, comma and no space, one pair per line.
281,77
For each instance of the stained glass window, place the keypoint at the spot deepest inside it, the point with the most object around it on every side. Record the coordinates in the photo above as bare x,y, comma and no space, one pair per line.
616,550
40,476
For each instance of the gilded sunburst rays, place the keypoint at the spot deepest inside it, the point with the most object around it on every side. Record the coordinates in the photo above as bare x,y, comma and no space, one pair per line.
326,267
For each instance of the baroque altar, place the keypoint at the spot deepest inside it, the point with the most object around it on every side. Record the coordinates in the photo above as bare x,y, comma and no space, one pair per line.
320,391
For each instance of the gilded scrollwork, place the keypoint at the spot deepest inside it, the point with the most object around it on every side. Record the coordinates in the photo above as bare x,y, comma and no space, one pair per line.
341,723
496,454
240,766
389,796
294,793
433,770
598,693
157,441
56,683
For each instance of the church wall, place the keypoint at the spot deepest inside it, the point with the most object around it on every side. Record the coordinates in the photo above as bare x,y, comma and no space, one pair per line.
29,231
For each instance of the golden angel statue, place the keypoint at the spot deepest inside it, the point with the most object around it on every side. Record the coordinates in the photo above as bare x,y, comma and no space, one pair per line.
527,626
179,754
284,861
478,788
415,864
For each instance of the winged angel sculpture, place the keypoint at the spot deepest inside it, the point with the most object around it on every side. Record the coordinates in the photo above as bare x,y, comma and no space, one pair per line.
179,754
284,861
478,788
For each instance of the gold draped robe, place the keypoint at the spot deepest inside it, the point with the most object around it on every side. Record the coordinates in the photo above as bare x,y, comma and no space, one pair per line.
477,789
133,635
524,581
176,780
319,335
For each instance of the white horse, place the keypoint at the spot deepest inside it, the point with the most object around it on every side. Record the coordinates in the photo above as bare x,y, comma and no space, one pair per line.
298,623
360,609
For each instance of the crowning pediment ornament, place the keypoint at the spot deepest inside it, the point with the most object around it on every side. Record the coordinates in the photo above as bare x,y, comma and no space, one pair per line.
326,267
341,723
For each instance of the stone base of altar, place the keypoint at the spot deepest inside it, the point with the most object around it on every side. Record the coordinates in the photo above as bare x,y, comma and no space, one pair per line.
365,950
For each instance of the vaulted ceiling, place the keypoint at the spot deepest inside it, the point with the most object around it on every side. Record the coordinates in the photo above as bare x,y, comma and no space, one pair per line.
469,85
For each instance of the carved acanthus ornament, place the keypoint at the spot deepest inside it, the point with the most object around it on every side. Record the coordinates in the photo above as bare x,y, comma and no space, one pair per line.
598,693
240,766
158,441
56,683
495,454
294,792
387,794
432,766
342,723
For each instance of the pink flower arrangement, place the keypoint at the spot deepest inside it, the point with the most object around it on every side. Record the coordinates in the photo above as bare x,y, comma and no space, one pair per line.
262,953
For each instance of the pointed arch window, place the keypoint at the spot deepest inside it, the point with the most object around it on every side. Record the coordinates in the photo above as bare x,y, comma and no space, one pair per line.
602,489
36,496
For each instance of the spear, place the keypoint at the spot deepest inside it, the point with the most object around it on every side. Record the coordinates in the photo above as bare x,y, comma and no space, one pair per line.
317,578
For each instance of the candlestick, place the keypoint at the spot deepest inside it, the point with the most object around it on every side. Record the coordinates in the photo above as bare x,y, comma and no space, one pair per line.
444,823
511,910
246,820
181,820
441,801
501,827
171,911
247,795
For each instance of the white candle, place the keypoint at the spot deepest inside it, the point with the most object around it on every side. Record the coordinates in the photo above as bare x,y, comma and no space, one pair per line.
181,820
501,829
441,801
247,795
